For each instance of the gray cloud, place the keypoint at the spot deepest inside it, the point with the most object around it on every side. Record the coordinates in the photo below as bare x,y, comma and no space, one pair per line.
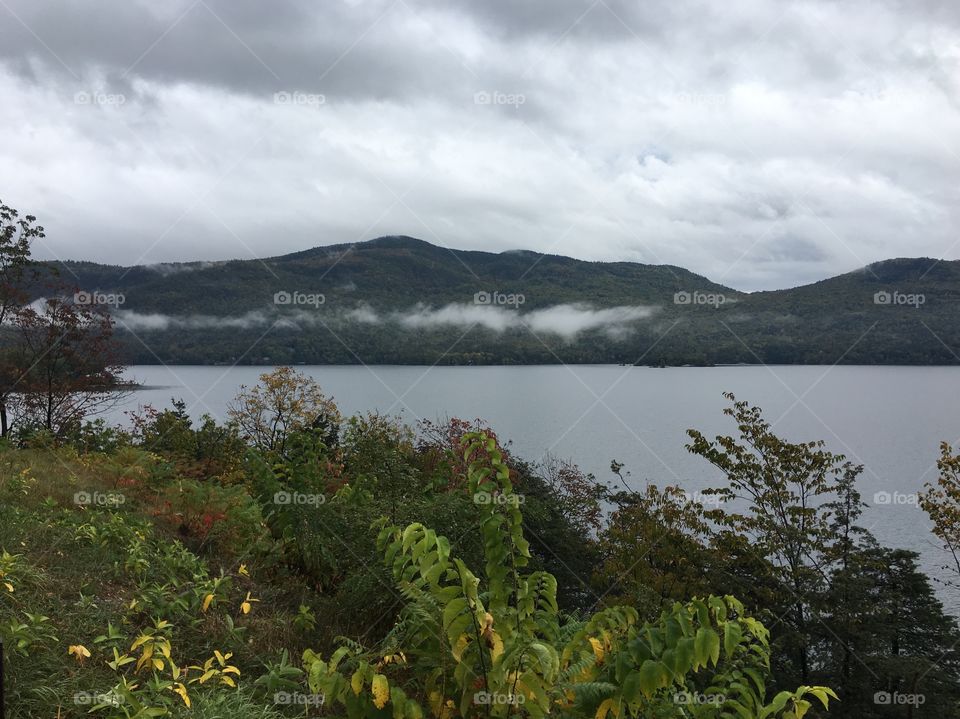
763,144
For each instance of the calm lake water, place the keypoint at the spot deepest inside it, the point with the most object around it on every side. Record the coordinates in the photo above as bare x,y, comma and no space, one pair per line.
890,419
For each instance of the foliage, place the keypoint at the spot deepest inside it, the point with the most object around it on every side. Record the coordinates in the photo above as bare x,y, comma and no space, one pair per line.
784,485
211,516
283,402
208,451
942,504
69,370
655,550
457,650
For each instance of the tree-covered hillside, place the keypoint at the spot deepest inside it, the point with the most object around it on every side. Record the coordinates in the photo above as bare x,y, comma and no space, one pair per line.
403,300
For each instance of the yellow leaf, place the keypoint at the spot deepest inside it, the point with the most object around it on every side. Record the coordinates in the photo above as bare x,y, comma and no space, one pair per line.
597,649
8,586
228,681
605,706
243,570
380,689
496,646
207,601
182,691
79,652
462,641
356,681
435,699
245,607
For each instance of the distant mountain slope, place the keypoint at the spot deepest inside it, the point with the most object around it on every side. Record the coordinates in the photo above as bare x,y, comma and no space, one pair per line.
403,300
386,273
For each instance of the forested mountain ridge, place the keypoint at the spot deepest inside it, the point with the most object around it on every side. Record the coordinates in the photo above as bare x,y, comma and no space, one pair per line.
403,300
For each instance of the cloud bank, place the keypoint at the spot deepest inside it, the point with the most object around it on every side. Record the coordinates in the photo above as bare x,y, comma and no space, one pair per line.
566,321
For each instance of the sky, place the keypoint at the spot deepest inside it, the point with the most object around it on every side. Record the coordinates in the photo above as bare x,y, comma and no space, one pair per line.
762,143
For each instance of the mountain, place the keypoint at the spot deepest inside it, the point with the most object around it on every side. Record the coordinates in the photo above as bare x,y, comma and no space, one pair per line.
405,301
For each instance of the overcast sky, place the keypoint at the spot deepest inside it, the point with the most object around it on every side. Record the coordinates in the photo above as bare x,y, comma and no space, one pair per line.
763,143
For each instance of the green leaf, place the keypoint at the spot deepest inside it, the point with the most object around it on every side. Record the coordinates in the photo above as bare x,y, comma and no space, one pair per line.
732,634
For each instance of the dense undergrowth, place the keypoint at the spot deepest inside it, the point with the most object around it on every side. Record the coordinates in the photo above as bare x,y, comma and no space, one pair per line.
296,563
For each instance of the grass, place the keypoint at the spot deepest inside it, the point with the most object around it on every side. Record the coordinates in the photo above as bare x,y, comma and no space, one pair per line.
126,565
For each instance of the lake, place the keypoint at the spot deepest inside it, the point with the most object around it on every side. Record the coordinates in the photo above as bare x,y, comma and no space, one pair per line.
890,419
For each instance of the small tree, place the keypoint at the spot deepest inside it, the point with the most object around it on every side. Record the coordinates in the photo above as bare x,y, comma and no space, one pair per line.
284,402
942,504
16,236
655,549
69,370
785,486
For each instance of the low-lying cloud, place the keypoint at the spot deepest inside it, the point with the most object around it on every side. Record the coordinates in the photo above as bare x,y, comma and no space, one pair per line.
565,320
